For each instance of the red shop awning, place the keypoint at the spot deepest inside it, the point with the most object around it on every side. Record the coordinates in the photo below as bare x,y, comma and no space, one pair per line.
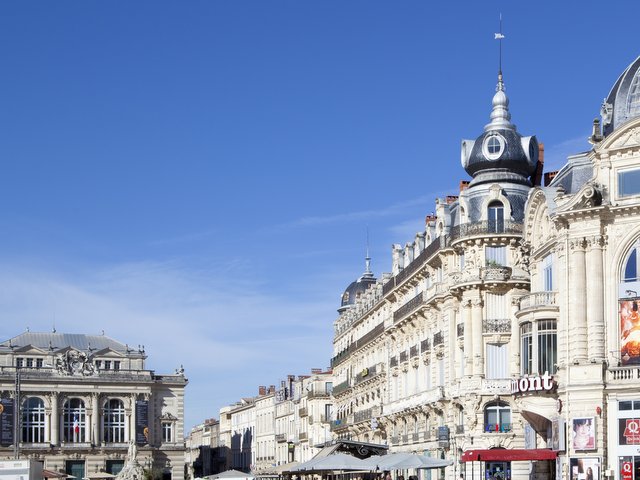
506,455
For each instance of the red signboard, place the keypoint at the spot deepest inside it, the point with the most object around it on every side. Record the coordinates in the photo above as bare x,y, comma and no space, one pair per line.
626,471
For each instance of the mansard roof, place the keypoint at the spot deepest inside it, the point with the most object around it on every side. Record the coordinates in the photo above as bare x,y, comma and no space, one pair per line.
58,341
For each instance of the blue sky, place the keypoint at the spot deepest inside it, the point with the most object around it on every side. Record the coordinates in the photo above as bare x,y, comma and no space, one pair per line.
198,177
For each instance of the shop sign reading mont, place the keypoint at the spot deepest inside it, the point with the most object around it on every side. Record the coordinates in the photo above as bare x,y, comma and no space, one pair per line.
535,383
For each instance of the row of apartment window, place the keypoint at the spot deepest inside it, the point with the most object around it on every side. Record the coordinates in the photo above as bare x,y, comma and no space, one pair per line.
74,422
29,362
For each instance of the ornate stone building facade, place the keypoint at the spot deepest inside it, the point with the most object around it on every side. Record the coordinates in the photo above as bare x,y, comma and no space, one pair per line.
81,401
506,337
424,358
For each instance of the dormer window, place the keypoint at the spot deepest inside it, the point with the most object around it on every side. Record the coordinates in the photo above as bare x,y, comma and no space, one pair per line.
493,146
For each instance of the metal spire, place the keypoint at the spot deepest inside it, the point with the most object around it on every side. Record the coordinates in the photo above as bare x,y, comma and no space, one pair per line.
500,116
367,260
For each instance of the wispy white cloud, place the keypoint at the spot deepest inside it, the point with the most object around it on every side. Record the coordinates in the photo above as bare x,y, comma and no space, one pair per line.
215,327
555,156
406,231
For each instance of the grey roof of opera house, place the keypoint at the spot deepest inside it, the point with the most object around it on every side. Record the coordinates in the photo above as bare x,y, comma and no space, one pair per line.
58,341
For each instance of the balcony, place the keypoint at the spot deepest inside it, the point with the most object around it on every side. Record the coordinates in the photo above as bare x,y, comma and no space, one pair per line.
303,412
623,374
496,273
341,387
417,400
318,394
415,437
408,308
539,300
366,415
341,423
459,429
499,325
484,229
368,373
497,427
325,418
281,437
303,436
429,251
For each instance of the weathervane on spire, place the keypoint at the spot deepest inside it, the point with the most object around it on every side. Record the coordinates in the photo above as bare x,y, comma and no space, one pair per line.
367,259
499,36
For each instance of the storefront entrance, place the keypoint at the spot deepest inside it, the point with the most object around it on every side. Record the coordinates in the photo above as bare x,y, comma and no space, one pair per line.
498,471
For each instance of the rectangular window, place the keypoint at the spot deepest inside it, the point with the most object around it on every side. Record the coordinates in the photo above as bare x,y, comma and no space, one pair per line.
107,364
116,365
38,362
19,362
497,361
526,349
328,387
29,362
441,372
629,183
496,256
547,273
98,364
167,432
547,346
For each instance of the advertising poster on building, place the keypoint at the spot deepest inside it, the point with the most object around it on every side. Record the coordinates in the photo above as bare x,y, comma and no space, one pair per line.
587,468
142,422
629,332
558,435
6,422
629,431
583,434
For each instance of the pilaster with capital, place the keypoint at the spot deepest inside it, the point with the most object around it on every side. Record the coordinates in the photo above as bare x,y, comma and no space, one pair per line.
595,299
468,337
95,416
577,317
476,320
55,420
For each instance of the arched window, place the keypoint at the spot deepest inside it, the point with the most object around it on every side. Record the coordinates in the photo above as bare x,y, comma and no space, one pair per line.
74,421
495,217
33,420
497,417
113,421
629,313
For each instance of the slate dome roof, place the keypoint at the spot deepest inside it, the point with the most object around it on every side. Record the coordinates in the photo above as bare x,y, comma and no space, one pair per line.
357,288
623,102
500,153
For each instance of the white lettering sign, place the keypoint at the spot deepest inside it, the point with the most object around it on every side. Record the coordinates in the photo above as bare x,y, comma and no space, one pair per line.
536,383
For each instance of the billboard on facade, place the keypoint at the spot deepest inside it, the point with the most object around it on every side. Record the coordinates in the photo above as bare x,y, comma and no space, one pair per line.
6,421
587,468
629,431
142,422
583,434
629,332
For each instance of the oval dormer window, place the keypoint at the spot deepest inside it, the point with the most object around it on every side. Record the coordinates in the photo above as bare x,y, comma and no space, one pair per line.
493,146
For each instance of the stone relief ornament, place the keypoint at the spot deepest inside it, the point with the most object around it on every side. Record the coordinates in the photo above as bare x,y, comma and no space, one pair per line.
74,363
521,256
606,112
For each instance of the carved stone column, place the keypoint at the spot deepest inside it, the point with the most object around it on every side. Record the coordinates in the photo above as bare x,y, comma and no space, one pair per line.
595,299
577,301
476,320
468,337
95,418
55,420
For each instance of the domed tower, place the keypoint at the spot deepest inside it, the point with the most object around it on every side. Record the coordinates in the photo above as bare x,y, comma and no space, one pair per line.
357,288
623,102
501,162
